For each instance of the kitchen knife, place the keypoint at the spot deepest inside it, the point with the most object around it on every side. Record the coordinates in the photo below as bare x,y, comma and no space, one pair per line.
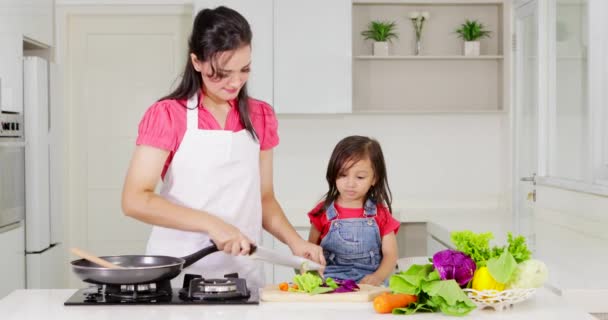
271,256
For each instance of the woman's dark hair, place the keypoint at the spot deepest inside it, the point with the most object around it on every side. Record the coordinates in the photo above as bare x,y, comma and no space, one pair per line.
350,150
215,31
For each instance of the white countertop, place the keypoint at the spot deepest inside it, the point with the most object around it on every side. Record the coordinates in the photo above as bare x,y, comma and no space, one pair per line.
48,305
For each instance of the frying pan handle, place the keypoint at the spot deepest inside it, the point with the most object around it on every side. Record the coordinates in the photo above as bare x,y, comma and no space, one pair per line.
190,259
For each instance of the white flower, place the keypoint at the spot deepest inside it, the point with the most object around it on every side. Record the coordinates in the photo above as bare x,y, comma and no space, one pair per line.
414,15
425,15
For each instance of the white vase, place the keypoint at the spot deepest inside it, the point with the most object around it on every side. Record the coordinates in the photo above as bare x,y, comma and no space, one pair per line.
471,48
381,48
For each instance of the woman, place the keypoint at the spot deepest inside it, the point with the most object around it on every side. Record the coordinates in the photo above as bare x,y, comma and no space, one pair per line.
212,145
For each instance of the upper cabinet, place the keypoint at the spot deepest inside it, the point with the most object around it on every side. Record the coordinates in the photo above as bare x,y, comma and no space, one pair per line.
259,15
312,48
301,60
38,20
11,72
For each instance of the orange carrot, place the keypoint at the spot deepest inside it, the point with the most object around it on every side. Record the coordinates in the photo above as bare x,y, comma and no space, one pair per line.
283,286
386,302
295,286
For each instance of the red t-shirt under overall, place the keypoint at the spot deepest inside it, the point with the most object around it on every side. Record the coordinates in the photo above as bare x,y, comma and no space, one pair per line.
384,219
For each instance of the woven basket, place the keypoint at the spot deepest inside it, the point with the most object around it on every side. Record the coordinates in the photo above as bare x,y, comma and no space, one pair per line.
499,300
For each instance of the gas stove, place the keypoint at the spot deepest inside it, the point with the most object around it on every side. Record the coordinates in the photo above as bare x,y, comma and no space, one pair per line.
196,290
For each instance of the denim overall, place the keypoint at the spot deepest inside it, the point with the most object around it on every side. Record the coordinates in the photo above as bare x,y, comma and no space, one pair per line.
352,247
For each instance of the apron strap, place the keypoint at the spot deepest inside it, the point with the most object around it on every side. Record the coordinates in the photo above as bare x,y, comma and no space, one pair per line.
192,112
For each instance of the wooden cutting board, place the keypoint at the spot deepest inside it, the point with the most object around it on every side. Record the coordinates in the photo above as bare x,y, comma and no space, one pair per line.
365,294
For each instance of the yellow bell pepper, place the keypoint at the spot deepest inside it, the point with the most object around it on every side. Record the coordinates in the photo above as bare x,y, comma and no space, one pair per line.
482,280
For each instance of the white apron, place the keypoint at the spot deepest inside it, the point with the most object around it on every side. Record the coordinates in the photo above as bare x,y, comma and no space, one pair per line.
216,171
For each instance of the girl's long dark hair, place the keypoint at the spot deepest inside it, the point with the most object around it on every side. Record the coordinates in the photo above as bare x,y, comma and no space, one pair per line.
215,31
350,150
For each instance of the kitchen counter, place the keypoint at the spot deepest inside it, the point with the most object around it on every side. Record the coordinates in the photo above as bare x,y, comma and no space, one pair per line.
48,305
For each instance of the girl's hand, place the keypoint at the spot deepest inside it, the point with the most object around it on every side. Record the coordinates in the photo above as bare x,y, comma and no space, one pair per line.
372,280
229,238
309,251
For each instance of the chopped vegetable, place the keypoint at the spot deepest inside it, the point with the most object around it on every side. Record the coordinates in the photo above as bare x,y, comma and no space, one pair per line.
283,286
386,302
482,280
452,264
312,283
529,274
344,285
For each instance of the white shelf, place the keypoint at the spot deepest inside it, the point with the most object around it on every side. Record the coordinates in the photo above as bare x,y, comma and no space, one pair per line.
377,110
423,57
427,2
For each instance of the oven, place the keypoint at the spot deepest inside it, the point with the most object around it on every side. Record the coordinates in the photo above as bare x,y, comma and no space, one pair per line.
12,169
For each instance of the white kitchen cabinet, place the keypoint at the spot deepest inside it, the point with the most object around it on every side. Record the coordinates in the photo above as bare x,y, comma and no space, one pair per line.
259,15
37,20
12,263
299,64
312,52
11,72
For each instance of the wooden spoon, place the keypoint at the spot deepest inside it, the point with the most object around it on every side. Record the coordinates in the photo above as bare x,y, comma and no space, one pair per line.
95,259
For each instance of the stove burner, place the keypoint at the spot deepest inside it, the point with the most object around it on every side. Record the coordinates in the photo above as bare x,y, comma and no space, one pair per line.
229,290
210,289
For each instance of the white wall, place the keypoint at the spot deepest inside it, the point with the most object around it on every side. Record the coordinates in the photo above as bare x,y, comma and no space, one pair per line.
434,161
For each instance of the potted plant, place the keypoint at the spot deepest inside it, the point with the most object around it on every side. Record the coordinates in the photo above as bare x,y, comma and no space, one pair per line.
471,31
381,32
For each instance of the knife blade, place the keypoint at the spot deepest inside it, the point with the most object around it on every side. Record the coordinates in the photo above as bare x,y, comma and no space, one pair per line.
271,256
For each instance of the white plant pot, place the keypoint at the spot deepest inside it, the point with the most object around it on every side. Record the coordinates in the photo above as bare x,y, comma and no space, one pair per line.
381,49
471,48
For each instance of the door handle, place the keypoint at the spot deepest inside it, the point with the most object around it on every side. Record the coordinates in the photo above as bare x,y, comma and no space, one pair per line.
529,179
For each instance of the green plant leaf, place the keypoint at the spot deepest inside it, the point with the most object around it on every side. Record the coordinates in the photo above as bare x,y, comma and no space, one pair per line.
380,31
472,30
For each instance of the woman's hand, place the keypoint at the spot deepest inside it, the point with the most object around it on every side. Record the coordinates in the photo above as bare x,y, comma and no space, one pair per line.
371,279
309,251
229,238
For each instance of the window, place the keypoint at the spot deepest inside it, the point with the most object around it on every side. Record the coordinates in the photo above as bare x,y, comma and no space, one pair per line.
578,95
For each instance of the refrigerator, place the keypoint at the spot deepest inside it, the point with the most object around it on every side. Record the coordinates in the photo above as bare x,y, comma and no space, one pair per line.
43,248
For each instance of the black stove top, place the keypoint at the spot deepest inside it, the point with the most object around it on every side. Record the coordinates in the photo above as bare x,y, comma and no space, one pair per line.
196,290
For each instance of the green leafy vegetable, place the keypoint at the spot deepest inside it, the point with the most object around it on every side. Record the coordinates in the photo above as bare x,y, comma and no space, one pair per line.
433,293
310,283
476,246
516,246
502,268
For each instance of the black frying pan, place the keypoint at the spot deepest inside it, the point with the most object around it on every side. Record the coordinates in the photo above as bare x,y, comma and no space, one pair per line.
137,268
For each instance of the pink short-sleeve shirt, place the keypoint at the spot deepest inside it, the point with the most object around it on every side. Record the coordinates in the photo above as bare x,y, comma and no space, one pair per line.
163,125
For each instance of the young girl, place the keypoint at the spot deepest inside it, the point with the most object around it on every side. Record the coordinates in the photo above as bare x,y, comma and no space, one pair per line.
354,225
212,145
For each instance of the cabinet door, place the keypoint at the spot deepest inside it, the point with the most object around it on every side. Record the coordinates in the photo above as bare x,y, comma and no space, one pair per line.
12,264
11,72
259,15
312,67
37,21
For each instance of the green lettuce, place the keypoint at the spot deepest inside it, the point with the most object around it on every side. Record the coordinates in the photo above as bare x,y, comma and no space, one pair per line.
433,293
